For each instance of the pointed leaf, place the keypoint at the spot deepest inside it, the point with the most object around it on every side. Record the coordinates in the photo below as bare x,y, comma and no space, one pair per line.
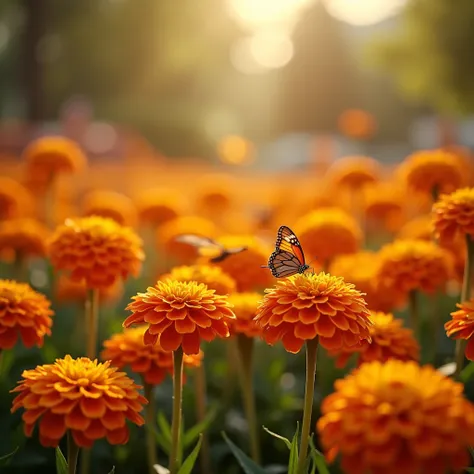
293,461
61,463
193,433
4,460
277,436
318,458
249,466
470,470
189,462
164,426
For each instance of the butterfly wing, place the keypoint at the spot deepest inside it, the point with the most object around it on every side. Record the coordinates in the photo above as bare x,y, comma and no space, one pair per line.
198,241
288,242
283,263
227,253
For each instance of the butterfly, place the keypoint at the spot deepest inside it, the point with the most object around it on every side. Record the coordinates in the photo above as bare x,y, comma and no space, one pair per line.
202,242
288,257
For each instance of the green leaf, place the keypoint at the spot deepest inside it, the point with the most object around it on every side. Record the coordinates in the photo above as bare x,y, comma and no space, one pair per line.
277,436
188,464
318,459
4,460
293,461
161,440
164,426
470,470
193,433
467,372
249,466
61,463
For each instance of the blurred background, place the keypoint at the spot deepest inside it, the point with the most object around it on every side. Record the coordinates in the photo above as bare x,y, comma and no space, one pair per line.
129,77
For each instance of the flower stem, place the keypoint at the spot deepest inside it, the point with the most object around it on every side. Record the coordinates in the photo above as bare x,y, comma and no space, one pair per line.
72,454
465,296
92,321
200,393
245,347
414,311
177,402
150,421
311,359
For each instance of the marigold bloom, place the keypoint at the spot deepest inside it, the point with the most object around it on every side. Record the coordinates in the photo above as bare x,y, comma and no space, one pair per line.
397,417
414,265
306,306
384,205
245,308
419,228
214,195
152,362
180,314
453,214
25,313
357,124
328,232
211,276
68,290
461,326
361,269
428,170
89,399
115,206
157,206
15,199
96,250
48,156
23,237
354,171
245,267
390,340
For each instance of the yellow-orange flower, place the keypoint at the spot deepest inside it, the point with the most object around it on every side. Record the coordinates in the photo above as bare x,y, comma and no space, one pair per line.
354,172
245,308
361,269
89,399
245,267
397,417
328,232
461,326
48,156
211,276
384,205
453,215
15,199
417,228
111,204
157,206
356,123
390,340
96,250
152,362
180,314
23,237
24,313
432,170
409,265
306,306
214,195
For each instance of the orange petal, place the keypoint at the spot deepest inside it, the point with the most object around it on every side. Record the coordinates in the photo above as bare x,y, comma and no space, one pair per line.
170,340
184,326
191,343
75,420
52,426
119,436
470,349
95,430
291,343
93,407
81,440
113,420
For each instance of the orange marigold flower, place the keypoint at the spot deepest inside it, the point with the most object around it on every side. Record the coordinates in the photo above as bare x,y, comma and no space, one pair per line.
384,205
96,250
214,195
180,314
152,362
357,123
354,171
15,199
361,269
429,170
245,267
414,265
461,326
115,206
89,399
211,276
389,341
23,237
397,417
245,308
419,228
453,215
157,206
48,156
25,313
328,232
306,306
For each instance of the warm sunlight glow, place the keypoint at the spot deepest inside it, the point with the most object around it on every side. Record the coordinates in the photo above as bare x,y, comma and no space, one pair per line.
364,12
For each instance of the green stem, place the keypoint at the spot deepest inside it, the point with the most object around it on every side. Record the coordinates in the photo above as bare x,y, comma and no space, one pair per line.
92,321
465,296
177,402
311,360
200,393
72,454
229,383
245,347
414,312
150,421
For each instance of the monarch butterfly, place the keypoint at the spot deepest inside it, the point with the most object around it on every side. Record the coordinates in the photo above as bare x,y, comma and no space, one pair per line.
201,242
288,257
